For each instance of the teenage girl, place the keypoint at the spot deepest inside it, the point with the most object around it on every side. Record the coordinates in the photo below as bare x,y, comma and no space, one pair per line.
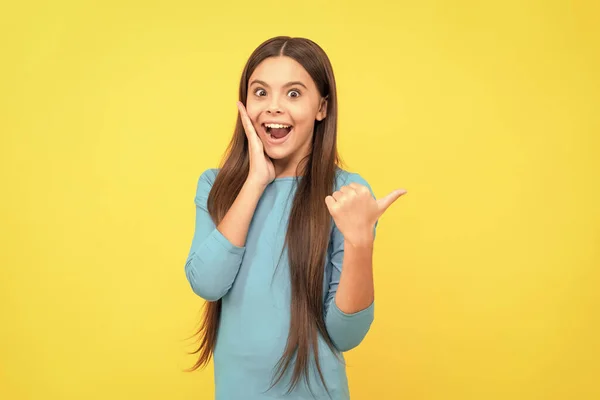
283,243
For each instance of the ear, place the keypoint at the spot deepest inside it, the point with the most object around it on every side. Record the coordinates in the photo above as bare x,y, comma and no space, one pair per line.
322,113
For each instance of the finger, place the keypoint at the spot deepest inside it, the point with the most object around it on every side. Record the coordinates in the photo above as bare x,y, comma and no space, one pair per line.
246,122
337,195
387,201
347,189
243,116
358,187
254,143
330,202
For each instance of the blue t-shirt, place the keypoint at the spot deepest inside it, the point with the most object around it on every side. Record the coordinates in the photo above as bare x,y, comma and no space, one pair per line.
253,283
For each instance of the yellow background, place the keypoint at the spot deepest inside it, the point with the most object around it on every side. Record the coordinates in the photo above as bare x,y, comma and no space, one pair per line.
486,272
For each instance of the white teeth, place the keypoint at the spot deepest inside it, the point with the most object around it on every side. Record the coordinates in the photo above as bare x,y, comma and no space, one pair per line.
277,126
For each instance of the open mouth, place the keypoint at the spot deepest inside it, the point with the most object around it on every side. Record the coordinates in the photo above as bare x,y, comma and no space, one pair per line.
277,131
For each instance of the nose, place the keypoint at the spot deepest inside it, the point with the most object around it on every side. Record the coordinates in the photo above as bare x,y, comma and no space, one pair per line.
274,107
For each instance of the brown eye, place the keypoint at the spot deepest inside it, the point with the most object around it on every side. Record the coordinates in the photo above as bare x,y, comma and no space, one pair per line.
260,92
294,93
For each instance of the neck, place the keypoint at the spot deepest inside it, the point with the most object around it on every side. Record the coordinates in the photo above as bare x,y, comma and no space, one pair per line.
286,167
283,170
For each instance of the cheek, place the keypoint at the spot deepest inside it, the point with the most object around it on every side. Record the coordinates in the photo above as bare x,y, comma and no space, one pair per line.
253,111
304,117
302,114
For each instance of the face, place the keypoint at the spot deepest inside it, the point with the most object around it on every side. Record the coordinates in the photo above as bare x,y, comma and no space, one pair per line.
284,103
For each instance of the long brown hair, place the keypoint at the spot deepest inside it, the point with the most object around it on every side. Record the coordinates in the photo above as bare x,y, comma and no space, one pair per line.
309,224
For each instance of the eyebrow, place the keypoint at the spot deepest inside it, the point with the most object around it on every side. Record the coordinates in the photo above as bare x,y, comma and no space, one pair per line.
294,83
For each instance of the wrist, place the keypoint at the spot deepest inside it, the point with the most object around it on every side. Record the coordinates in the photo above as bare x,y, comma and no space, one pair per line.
255,185
360,242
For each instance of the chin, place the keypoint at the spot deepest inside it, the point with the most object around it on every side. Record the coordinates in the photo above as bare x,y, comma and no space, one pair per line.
276,154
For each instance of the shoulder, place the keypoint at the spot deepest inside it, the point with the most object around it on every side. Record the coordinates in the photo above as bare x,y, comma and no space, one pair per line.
209,175
344,178
205,181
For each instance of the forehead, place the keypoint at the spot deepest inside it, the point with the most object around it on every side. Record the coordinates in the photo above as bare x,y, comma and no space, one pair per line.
277,71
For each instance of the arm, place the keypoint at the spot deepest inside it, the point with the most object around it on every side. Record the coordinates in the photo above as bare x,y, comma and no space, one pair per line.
349,304
355,291
216,252
234,225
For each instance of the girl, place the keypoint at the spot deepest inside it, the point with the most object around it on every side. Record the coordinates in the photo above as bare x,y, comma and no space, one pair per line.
283,242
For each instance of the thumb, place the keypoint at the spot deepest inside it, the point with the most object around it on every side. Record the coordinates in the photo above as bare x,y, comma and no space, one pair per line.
387,201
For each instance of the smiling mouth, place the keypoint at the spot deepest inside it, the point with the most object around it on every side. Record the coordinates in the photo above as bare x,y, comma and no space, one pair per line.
277,131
